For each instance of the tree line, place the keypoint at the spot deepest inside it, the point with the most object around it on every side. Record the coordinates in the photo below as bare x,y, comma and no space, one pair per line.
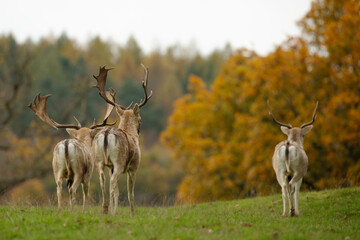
62,67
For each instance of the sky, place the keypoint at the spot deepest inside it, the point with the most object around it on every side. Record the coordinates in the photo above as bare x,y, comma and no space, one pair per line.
259,25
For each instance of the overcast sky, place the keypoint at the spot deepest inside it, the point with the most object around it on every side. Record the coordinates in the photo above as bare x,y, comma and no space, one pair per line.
209,24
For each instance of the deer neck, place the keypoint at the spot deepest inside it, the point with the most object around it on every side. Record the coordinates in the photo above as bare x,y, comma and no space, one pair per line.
129,129
87,141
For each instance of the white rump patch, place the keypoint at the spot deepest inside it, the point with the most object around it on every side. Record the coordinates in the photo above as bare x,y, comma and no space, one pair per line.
111,140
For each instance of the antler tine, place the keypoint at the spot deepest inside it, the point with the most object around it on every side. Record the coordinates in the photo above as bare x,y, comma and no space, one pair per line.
276,121
103,124
144,84
77,121
39,109
128,107
313,117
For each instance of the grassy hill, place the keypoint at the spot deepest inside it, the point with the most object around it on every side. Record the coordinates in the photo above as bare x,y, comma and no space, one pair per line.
330,214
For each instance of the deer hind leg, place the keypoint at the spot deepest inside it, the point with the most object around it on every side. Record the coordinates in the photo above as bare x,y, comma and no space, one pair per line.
292,200
284,190
294,195
283,194
102,185
131,177
58,180
58,170
72,190
289,193
114,190
111,202
85,188
297,191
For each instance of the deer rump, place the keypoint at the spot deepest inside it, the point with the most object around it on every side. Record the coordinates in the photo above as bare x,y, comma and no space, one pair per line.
292,159
69,157
115,148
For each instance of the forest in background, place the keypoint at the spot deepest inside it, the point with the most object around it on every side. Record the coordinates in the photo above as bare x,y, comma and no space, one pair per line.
63,68
209,111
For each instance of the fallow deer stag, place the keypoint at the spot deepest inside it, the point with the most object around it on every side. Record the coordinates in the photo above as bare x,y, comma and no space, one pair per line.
72,158
118,149
290,161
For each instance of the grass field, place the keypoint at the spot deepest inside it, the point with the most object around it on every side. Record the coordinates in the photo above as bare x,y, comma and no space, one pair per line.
331,214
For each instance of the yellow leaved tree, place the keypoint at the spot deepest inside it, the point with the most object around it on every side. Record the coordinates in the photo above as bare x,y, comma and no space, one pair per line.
224,137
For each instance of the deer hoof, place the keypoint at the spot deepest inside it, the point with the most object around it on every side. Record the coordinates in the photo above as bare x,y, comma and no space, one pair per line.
292,213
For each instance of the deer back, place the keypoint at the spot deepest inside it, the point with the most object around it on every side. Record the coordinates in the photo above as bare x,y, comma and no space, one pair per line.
290,157
119,147
74,155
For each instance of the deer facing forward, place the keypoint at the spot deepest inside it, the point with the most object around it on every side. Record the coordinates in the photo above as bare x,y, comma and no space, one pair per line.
291,162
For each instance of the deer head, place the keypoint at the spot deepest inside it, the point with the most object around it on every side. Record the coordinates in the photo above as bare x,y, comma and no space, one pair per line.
75,130
129,118
295,134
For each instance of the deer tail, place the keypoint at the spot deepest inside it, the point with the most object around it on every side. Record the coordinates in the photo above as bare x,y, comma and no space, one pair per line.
287,156
69,177
106,143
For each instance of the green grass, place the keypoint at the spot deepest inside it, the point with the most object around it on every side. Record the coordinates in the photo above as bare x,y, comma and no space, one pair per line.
330,214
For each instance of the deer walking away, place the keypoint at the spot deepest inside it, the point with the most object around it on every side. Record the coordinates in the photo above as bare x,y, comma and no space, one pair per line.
72,158
118,149
290,161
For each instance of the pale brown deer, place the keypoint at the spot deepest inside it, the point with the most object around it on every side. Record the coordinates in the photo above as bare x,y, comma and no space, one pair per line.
118,149
291,162
72,158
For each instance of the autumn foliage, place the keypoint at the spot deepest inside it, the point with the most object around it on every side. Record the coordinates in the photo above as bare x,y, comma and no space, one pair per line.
224,137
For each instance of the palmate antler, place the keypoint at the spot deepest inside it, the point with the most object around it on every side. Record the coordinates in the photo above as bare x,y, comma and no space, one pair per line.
39,108
101,82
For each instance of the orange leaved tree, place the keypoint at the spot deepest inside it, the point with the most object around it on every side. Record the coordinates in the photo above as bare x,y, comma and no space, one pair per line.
224,137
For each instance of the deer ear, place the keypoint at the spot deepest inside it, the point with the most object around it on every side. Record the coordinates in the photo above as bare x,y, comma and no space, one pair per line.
72,132
136,109
285,130
119,111
307,129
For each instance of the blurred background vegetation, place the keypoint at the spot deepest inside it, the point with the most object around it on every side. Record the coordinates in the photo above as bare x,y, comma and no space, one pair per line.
206,133
61,67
